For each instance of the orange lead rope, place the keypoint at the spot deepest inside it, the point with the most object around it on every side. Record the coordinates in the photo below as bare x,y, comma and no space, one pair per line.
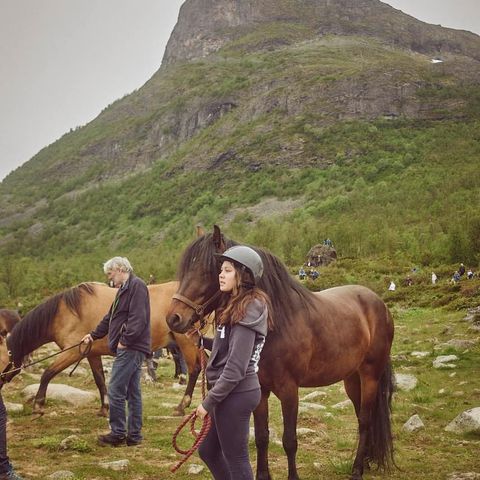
200,436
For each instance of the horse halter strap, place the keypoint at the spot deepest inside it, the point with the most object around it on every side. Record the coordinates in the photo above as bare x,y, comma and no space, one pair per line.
199,309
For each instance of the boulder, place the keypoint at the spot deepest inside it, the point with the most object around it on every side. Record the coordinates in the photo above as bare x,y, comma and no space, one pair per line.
58,391
466,422
321,255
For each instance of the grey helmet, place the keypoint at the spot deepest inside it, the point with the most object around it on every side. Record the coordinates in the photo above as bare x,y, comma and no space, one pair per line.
247,257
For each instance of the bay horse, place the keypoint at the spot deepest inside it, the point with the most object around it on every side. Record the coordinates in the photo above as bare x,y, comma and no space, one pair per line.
66,317
342,333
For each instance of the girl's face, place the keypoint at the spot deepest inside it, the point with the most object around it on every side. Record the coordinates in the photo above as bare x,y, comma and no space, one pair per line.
227,277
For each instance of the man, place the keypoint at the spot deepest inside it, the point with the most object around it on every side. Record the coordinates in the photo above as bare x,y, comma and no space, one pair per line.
127,324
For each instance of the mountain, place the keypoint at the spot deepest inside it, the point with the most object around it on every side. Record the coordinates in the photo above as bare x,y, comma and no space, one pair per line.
285,121
205,26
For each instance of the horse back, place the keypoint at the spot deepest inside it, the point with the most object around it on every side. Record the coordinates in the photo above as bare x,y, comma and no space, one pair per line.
330,337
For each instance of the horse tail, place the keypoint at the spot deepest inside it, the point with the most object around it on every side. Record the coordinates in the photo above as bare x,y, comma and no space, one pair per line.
380,440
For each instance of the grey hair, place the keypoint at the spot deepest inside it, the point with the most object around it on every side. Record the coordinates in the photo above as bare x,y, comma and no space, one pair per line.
118,263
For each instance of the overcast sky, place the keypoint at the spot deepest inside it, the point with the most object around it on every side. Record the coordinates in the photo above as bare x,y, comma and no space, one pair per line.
63,61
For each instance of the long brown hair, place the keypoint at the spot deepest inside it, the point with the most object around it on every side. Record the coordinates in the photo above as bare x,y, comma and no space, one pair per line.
242,294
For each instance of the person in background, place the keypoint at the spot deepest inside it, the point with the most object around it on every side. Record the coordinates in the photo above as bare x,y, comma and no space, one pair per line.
301,274
470,274
127,325
434,278
392,286
461,269
242,324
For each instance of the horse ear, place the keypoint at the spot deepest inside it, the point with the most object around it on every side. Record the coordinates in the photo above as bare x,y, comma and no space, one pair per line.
200,231
218,239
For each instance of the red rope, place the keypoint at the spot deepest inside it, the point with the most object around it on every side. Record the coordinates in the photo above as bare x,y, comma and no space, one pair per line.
200,436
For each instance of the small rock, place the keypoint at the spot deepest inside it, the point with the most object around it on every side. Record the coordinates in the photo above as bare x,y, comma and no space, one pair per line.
413,423
117,465
61,475
441,361
420,354
13,407
464,476
195,469
302,432
314,395
342,405
311,406
405,382
68,442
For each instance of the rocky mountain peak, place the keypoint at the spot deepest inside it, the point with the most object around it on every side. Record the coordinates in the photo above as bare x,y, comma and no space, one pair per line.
205,26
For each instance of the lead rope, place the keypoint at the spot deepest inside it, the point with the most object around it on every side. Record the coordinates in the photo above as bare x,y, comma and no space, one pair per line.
207,421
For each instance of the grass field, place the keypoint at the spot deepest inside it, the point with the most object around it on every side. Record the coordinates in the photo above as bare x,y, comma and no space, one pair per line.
324,453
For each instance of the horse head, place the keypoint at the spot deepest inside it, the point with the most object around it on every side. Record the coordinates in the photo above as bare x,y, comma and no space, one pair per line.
198,293
8,368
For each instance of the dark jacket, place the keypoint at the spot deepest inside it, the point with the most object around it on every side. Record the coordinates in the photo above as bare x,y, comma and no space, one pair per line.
233,364
128,320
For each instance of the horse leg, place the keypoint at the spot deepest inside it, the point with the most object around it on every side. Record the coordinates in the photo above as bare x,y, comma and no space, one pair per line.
260,419
96,365
187,396
63,361
289,399
368,391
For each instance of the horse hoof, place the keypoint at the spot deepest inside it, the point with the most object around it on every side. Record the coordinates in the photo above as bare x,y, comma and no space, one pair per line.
178,412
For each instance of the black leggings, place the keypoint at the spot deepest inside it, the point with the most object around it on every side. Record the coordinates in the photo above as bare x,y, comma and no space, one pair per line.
225,448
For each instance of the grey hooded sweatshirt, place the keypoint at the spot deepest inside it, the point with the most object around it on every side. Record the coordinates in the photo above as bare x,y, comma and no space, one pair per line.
233,364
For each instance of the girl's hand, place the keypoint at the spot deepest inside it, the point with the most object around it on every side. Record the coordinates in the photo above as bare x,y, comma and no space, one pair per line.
201,412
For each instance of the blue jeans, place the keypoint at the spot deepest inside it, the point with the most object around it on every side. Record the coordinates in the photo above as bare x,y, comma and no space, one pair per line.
124,387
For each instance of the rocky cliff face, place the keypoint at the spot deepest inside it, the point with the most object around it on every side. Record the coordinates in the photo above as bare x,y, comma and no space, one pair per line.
205,26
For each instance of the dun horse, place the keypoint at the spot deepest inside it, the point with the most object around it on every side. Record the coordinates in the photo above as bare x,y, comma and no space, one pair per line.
343,333
66,317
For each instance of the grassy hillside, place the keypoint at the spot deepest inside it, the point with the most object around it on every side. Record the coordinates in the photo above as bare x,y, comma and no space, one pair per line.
372,146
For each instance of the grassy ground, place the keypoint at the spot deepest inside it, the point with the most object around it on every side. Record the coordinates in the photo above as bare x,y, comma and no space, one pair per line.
325,454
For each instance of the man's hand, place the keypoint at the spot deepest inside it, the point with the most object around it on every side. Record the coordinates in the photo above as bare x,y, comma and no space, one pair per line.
87,338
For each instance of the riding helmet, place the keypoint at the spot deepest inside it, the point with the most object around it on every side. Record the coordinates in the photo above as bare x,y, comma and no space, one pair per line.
247,257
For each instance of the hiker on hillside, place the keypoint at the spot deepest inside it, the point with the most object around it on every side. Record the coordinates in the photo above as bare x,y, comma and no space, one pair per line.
455,278
301,274
470,274
461,269
434,278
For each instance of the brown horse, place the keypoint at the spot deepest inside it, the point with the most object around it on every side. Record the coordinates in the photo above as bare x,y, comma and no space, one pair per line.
343,333
8,319
66,317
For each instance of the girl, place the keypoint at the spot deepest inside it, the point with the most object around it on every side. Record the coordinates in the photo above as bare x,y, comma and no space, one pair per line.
242,326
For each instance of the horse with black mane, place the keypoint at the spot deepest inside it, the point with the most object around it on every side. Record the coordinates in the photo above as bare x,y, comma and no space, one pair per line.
66,317
342,333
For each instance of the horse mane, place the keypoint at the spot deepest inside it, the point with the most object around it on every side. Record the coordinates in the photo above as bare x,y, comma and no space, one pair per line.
35,328
284,291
